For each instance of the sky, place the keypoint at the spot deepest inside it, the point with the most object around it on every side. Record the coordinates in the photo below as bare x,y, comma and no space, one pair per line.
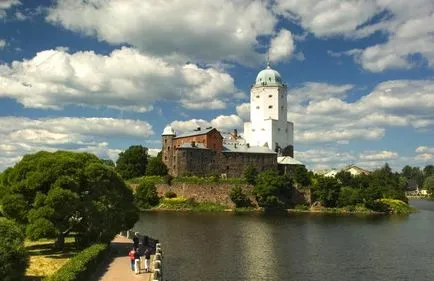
101,75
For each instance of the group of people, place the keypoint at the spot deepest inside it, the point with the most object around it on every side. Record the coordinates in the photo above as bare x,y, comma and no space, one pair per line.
137,254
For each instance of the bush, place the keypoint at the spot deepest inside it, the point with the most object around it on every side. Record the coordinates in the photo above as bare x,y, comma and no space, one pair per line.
378,206
397,206
146,195
251,174
170,194
82,266
239,198
13,256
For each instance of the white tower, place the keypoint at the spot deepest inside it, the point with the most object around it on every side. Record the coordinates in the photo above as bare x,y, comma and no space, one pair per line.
268,112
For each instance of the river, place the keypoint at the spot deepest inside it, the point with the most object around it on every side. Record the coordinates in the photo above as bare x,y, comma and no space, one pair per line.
258,247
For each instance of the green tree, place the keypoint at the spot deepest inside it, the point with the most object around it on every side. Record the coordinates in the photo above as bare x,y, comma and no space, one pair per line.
428,171
239,197
300,175
344,178
272,190
250,173
108,162
326,190
132,162
13,256
146,195
429,185
349,197
156,167
66,191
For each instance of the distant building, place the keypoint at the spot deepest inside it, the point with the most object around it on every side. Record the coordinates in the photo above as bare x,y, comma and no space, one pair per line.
352,169
268,137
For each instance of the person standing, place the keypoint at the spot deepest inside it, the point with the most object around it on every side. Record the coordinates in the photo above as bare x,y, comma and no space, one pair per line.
136,240
132,254
147,260
137,261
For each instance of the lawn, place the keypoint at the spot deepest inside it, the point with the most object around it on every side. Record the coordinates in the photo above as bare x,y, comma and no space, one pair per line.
45,260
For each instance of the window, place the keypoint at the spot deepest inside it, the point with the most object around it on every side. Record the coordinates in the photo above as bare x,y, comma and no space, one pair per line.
281,107
253,130
270,96
257,107
263,129
165,141
257,96
165,157
281,96
278,129
270,106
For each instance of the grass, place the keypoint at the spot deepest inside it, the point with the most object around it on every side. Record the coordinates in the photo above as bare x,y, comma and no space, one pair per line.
45,260
397,206
181,203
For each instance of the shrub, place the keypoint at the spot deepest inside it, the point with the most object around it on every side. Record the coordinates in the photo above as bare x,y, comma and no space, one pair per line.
146,195
82,266
170,194
239,198
377,206
13,256
250,173
397,206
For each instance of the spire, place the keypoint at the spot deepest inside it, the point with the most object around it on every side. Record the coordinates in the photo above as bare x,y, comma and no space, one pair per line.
268,58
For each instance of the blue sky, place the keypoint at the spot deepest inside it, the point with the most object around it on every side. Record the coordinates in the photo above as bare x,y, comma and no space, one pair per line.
99,76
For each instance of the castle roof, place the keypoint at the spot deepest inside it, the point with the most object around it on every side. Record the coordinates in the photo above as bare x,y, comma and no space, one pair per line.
268,77
287,160
234,148
195,133
168,131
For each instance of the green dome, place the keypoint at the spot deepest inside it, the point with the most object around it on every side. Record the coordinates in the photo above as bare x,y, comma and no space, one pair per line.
268,77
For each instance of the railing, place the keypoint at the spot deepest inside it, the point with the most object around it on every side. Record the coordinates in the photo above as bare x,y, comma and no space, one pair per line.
155,246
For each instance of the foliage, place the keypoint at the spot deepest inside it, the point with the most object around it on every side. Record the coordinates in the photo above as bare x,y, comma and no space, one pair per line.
82,266
239,197
250,174
170,194
150,179
13,256
413,173
66,191
156,167
344,178
349,197
301,176
326,190
272,190
429,185
132,162
108,162
146,195
396,206
181,203
428,171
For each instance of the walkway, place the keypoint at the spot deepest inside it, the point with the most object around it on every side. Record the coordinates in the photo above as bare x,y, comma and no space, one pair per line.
117,266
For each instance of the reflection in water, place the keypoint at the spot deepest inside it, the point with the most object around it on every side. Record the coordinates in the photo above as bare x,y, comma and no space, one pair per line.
254,247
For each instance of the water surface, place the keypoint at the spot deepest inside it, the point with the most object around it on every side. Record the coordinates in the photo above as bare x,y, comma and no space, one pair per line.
222,246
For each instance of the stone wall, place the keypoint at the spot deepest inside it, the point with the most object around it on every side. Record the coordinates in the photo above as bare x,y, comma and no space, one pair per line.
215,193
219,193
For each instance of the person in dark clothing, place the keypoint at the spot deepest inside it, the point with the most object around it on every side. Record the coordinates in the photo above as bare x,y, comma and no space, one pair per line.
147,260
136,241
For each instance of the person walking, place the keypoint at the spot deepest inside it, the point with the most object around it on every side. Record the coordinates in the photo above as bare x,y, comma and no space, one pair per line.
147,260
132,254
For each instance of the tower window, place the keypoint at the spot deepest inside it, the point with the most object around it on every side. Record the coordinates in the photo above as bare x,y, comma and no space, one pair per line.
278,129
270,106
253,130
263,129
270,96
281,107
257,107
281,96
257,97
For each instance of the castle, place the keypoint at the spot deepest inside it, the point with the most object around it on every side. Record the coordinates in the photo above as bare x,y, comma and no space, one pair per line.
267,142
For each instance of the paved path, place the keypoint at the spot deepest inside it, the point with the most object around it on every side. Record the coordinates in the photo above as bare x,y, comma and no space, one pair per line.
117,267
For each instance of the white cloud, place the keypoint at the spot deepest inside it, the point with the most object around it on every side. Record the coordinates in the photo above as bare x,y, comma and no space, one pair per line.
20,16
421,149
282,46
6,4
206,31
321,113
223,123
2,43
378,155
227,123
243,110
424,156
21,135
125,79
